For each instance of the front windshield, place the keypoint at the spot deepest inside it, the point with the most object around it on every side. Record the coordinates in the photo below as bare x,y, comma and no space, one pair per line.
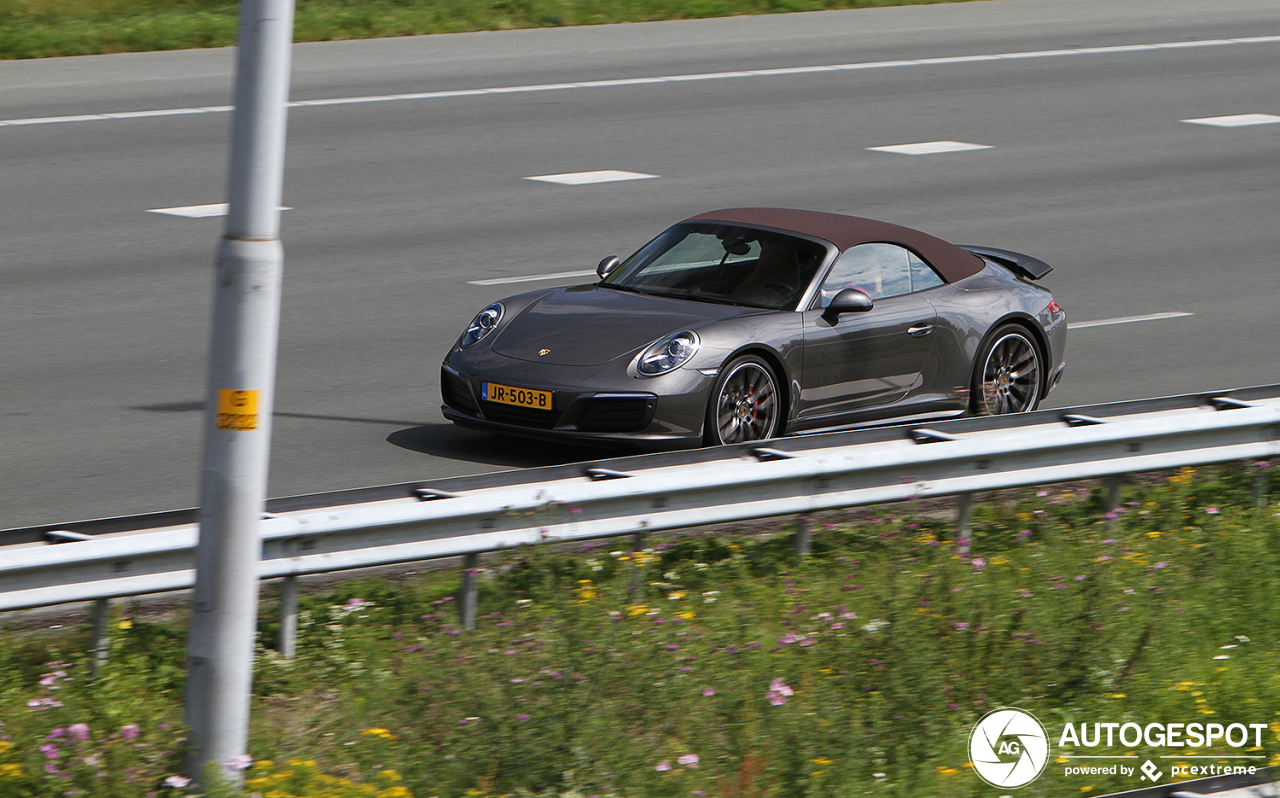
724,264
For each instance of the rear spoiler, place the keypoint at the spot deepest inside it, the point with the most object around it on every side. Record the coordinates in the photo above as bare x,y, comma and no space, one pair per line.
1016,262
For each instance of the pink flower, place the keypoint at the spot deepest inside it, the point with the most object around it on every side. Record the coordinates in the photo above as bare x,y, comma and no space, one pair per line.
662,767
177,781
1212,510
80,731
240,762
778,692
522,716
129,731
688,760
978,563
707,692
50,751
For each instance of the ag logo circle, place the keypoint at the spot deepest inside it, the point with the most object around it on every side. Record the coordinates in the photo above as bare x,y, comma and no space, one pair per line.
1008,747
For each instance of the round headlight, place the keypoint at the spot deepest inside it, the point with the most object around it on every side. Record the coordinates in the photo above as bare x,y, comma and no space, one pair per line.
667,354
485,322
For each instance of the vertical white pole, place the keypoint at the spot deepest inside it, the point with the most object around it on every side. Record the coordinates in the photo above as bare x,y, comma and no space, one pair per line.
242,364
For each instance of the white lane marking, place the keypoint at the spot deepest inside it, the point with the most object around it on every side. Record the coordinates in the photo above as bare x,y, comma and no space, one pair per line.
53,120
930,147
587,178
199,211
1077,325
749,73
531,278
1236,120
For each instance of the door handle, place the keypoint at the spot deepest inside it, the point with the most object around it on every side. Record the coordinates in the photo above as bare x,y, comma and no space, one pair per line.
920,329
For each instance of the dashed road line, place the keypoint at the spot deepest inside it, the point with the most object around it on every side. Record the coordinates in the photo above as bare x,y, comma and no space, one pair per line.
1077,325
930,147
747,73
199,211
1236,120
531,278
588,178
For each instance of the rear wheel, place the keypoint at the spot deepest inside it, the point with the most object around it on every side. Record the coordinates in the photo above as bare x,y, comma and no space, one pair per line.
745,404
1008,375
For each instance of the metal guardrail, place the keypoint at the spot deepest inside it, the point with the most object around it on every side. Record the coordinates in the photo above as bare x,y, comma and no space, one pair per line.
1258,785
709,458
469,516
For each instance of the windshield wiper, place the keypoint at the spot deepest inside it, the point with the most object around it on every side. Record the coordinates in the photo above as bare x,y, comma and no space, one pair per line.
621,287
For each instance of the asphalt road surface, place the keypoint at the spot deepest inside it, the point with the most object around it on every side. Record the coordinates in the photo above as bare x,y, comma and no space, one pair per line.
1084,158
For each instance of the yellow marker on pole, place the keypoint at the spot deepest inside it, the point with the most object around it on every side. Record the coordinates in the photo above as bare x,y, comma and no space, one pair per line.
237,409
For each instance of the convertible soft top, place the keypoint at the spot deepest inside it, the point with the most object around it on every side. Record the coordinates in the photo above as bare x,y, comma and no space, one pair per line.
952,262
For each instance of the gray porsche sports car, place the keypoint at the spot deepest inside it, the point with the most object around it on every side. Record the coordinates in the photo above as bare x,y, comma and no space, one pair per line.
751,323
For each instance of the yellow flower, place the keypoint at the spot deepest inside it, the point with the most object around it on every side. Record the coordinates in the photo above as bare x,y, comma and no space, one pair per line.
821,761
380,733
1154,534
687,615
5,745
636,609
10,771
1117,695
946,771
676,595
390,775
125,624
395,792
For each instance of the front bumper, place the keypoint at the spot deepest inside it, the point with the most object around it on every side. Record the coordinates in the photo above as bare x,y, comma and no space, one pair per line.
663,411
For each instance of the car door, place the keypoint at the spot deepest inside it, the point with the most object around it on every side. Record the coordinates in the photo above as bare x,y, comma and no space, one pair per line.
862,360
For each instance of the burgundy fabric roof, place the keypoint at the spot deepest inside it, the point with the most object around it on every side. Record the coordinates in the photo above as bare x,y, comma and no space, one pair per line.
950,261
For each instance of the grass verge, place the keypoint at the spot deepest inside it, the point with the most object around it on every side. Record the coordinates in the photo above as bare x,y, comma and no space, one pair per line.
43,28
712,666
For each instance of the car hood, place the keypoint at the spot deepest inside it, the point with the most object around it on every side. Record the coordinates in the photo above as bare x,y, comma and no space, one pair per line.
589,326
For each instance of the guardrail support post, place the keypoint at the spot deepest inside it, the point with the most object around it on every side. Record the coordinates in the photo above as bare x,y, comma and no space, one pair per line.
1113,499
637,578
287,636
1260,487
964,512
801,536
470,590
101,643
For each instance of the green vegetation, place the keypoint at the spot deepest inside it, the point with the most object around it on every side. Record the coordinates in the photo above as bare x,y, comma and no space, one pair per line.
713,666
42,28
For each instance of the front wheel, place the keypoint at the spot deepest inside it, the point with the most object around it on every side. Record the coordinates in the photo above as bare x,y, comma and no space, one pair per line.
1008,374
745,404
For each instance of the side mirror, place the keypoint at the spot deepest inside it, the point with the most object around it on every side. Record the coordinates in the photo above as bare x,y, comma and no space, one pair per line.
607,265
850,300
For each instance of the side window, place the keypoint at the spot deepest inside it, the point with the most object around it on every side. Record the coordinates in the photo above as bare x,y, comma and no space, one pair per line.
881,270
923,277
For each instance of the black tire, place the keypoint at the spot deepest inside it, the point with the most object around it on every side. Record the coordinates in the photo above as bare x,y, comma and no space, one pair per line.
745,404
1008,376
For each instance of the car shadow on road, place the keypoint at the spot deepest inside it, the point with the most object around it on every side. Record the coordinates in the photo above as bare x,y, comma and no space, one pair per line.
453,443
